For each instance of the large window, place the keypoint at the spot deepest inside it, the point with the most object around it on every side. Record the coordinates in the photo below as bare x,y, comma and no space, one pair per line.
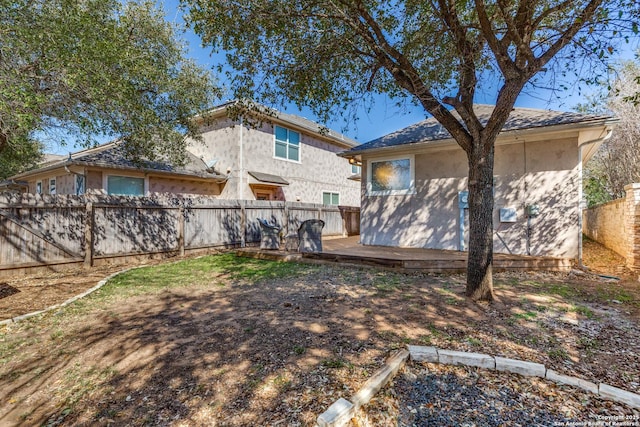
329,198
125,185
394,176
287,144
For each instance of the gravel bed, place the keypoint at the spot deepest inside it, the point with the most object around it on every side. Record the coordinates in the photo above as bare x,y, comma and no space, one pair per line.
436,395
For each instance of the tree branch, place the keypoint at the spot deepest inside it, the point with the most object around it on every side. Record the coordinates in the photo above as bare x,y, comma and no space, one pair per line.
566,37
499,49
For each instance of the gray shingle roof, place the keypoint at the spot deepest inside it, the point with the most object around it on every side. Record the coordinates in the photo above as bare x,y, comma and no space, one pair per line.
292,119
268,178
113,155
430,130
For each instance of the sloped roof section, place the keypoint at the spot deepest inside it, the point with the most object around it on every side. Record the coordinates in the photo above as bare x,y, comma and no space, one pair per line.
113,155
430,130
271,114
268,178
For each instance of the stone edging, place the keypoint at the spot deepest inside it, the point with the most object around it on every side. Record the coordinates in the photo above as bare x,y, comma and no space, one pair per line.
343,410
100,284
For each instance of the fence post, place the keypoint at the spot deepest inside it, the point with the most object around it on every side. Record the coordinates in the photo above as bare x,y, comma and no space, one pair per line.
285,225
344,213
181,230
88,235
243,224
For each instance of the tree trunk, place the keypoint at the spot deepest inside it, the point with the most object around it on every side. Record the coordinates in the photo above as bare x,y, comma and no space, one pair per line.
480,256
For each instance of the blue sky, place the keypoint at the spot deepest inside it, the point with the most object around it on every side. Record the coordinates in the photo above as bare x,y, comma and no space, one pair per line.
385,117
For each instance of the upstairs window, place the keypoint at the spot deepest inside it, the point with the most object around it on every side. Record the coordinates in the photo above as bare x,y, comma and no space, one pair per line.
287,144
52,186
329,198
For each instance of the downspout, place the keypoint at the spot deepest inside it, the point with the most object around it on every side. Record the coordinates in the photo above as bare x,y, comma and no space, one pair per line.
526,197
580,195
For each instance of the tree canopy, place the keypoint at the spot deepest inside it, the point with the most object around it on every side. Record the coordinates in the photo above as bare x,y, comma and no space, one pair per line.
617,162
95,68
328,54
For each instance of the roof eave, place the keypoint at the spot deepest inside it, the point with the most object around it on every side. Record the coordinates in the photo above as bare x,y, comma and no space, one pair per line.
67,163
503,137
221,111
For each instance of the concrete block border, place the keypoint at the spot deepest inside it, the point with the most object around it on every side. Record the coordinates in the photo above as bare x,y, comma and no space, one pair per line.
100,284
342,411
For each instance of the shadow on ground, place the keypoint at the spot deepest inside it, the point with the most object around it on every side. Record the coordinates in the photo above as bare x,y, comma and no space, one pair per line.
272,351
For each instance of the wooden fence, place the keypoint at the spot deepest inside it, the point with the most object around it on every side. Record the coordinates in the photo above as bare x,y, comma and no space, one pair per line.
38,231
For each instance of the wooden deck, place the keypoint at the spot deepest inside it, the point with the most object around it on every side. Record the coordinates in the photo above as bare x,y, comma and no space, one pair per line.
349,251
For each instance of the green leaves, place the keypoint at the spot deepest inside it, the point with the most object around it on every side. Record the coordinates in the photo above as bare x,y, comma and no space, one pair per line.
97,68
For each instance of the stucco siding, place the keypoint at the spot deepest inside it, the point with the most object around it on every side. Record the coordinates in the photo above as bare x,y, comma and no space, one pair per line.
93,180
221,144
542,173
65,184
182,186
319,169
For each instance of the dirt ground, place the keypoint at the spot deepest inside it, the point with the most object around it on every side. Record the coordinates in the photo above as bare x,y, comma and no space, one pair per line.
22,294
29,293
279,352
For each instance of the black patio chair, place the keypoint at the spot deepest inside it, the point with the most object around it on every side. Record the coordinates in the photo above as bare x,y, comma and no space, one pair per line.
269,235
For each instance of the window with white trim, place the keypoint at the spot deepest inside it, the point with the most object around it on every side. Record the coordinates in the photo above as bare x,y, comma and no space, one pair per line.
392,176
330,198
52,186
79,184
125,185
356,170
287,144
38,187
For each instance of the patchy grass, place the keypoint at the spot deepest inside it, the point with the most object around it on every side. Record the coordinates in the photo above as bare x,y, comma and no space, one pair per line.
334,363
385,283
584,311
528,315
210,271
236,341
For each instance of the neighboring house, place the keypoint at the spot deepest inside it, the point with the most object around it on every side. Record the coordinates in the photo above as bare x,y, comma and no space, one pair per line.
106,169
13,186
286,157
414,184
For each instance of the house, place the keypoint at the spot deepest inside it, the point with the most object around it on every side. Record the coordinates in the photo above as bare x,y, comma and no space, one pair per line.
107,169
414,184
278,156
284,157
